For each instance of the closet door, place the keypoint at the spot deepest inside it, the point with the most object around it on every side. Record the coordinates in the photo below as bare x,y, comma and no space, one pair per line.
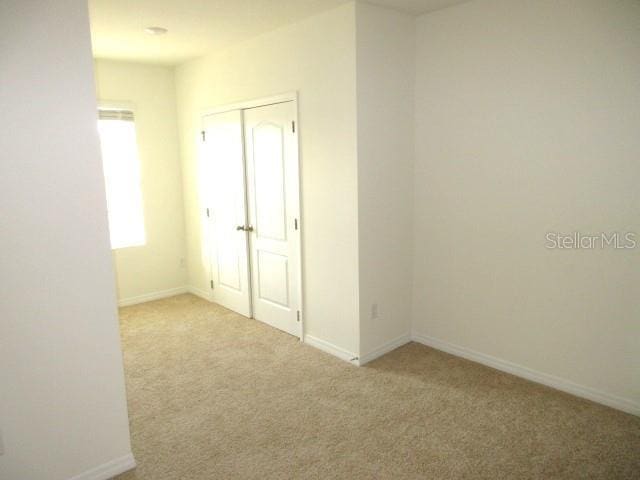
224,188
273,208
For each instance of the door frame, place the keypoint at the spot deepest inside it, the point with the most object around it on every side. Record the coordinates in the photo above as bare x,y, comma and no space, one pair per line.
291,96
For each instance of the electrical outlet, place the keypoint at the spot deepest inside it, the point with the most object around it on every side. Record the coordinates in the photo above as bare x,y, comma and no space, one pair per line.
374,311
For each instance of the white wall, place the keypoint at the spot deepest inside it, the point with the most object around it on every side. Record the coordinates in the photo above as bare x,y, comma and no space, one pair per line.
62,407
155,266
316,57
385,76
527,120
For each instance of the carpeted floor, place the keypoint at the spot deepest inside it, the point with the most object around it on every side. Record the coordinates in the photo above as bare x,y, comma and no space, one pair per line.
213,395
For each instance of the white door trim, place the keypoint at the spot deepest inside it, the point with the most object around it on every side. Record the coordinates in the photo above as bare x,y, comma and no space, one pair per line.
253,103
291,96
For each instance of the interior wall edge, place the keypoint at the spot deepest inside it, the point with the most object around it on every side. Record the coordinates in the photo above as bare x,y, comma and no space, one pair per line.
558,383
148,297
108,470
385,70
385,348
331,349
193,290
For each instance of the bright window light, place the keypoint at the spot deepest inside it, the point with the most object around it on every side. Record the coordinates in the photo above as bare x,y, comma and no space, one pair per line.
122,178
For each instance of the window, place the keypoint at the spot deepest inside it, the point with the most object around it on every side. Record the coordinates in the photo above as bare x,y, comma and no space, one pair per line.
122,177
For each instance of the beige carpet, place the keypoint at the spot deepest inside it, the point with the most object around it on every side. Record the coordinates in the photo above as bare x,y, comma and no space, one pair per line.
213,395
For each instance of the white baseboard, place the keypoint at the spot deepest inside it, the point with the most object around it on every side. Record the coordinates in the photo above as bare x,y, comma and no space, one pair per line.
385,348
108,470
332,349
624,404
199,293
148,297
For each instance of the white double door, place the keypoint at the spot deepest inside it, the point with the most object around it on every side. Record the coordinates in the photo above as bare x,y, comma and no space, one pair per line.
252,180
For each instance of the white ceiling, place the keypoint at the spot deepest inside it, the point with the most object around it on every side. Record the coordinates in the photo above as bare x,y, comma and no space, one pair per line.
200,26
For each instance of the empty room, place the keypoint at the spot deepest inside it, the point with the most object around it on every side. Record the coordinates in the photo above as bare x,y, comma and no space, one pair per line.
319,239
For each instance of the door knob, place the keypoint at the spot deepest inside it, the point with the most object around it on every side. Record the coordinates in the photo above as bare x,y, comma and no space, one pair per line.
246,228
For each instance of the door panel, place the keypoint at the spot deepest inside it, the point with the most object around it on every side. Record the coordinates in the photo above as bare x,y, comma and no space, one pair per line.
273,209
268,181
273,278
225,191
